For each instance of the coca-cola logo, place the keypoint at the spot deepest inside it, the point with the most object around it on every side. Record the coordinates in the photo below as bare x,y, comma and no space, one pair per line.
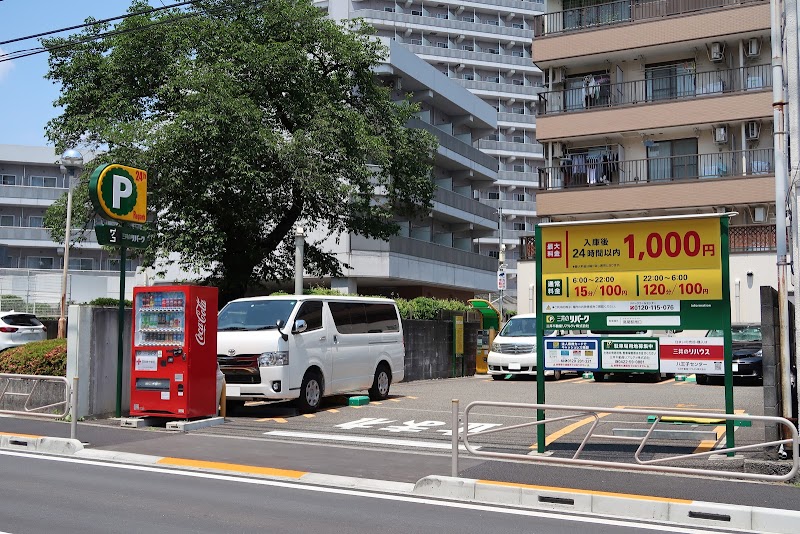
200,310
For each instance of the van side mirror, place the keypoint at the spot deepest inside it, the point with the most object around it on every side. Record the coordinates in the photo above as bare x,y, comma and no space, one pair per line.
280,323
299,326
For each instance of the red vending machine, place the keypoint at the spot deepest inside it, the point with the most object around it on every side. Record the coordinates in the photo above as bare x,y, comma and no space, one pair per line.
174,367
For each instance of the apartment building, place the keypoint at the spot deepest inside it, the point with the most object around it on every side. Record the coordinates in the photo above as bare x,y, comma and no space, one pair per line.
30,261
484,46
661,107
434,255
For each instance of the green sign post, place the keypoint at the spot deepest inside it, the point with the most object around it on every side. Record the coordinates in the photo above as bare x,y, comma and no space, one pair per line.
119,193
618,275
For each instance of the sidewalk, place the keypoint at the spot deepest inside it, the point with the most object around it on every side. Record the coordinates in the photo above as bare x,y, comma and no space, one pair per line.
629,494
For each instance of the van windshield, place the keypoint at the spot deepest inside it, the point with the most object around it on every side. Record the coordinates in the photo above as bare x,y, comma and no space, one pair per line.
254,314
521,327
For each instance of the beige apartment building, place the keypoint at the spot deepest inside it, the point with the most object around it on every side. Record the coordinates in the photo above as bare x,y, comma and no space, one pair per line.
660,107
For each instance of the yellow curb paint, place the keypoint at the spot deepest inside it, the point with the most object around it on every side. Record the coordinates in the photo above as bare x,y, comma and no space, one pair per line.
707,444
31,436
276,419
357,407
587,492
394,400
238,468
569,428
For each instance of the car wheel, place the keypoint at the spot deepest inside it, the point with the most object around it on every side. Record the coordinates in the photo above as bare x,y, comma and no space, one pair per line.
310,393
232,405
498,377
701,379
381,383
555,376
598,377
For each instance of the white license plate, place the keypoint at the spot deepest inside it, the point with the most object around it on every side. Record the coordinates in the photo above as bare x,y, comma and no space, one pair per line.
513,367
735,367
233,391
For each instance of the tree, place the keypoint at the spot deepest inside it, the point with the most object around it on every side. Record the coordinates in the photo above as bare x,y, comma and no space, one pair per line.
251,117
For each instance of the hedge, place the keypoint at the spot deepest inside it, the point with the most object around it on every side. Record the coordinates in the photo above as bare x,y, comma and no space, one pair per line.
48,357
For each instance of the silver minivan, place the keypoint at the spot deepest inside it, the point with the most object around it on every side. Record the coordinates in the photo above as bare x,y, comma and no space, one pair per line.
305,347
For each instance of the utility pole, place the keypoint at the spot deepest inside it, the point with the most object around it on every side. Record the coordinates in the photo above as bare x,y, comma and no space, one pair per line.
501,268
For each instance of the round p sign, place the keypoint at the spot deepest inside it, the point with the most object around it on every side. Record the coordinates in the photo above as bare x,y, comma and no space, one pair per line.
119,193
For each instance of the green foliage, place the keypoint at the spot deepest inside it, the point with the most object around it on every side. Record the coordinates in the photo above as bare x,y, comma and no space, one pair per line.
108,302
426,308
48,357
251,118
320,290
11,302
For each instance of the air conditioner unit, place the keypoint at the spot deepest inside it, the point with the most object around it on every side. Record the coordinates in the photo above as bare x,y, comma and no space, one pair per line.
753,48
717,51
751,130
721,134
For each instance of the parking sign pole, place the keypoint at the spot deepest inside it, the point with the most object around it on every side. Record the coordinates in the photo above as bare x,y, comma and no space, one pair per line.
120,326
540,395
726,333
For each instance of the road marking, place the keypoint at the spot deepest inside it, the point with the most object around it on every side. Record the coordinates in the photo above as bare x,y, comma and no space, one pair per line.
587,492
567,429
333,410
308,415
276,419
376,403
366,439
706,445
394,400
238,468
570,380
298,485
410,397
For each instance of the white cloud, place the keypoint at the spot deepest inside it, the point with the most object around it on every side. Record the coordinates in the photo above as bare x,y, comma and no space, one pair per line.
5,66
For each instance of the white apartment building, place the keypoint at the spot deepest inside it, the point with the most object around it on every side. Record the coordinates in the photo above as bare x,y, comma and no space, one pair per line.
485,46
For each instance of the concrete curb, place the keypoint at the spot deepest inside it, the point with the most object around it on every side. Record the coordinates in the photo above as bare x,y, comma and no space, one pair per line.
40,444
696,513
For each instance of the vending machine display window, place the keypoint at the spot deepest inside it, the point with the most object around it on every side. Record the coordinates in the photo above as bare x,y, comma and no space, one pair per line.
160,319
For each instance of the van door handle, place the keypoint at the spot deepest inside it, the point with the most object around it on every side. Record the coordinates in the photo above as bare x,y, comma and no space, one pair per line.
335,339
323,338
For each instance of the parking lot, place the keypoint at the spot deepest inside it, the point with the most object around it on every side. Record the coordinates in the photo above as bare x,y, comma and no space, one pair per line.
417,416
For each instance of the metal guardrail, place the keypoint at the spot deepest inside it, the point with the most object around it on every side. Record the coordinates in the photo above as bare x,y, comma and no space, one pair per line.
30,393
460,434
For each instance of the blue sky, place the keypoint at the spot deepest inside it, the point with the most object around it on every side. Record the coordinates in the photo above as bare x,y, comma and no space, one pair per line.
26,97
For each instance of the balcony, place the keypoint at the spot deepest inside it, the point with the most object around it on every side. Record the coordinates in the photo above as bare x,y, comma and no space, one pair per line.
459,147
534,150
511,206
458,27
523,90
718,179
635,25
461,208
417,248
522,179
30,195
493,60
728,95
518,118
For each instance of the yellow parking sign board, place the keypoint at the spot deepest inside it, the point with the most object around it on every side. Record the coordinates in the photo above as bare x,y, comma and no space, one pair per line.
119,193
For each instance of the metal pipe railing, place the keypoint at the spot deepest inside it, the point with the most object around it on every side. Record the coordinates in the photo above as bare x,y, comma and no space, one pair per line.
597,92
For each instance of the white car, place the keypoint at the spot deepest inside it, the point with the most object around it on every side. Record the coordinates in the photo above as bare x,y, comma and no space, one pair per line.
513,351
18,328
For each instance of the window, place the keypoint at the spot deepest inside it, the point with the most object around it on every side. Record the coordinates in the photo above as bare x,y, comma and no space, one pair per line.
672,160
113,265
442,15
382,318
518,53
493,195
518,25
495,79
492,22
39,262
42,181
494,254
517,82
310,312
349,317
467,76
416,12
519,110
518,138
389,9
81,264
519,226
493,51
468,19
468,47
8,179
6,220
520,197
670,81
493,137
442,45
519,168
415,41
35,221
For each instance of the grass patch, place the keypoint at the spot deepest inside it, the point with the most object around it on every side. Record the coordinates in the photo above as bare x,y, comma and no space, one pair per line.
48,357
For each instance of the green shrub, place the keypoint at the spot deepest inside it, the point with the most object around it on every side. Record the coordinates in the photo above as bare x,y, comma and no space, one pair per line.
48,357
108,301
11,302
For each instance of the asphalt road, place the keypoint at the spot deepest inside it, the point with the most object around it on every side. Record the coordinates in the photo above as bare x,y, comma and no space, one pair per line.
65,495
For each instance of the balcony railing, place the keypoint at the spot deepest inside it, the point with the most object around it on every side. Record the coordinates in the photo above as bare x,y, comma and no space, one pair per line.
595,171
742,239
465,204
508,33
521,118
599,15
456,145
481,85
752,238
598,93
465,55
536,149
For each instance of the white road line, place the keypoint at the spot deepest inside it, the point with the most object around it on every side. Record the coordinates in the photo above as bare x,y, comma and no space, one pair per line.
365,439
568,516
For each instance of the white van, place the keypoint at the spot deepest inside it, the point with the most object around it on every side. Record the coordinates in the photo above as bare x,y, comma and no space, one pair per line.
513,351
305,347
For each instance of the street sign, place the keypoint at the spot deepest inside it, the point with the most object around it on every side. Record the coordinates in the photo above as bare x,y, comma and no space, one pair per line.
119,193
501,280
122,236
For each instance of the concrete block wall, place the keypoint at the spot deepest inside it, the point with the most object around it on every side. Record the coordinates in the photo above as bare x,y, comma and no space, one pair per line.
429,350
